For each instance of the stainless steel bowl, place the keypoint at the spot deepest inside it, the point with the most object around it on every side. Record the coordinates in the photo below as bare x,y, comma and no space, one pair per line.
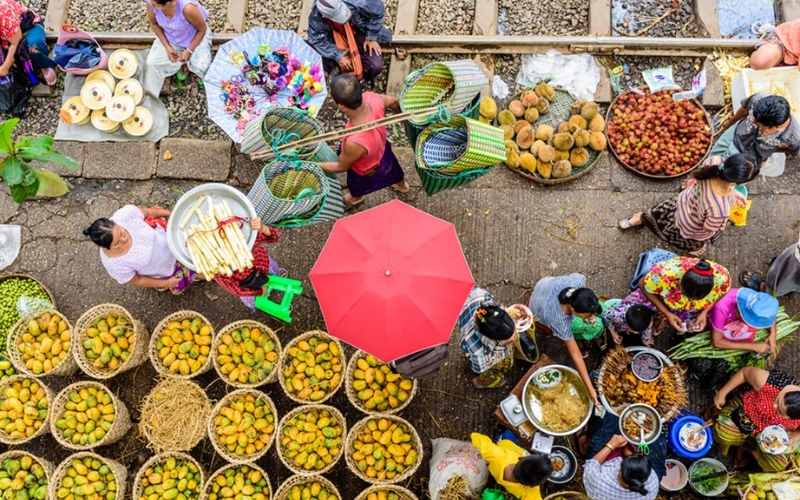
651,436
570,466
643,354
574,386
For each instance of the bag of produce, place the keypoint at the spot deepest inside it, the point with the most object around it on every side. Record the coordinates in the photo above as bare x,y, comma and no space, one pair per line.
451,458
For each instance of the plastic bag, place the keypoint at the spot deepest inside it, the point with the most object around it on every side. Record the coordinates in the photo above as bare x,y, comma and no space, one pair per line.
499,87
27,305
658,79
577,74
452,458
786,490
10,236
774,165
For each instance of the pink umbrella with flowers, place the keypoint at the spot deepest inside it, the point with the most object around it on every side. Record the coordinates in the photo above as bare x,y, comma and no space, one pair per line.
259,70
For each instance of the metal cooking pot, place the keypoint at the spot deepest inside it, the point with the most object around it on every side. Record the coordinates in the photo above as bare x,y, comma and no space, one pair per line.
531,403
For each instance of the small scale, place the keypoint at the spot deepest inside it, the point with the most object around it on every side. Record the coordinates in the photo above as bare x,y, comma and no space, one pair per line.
512,410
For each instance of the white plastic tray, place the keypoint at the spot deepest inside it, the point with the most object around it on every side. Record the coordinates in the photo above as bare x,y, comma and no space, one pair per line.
237,201
750,81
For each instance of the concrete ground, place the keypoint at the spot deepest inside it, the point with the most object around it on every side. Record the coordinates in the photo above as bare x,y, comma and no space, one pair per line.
513,232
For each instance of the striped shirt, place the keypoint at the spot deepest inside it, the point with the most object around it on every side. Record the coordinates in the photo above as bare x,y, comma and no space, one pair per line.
701,213
602,482
545,306
481,351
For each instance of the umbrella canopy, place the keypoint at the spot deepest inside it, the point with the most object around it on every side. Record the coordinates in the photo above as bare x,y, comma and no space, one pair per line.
392,280
259,70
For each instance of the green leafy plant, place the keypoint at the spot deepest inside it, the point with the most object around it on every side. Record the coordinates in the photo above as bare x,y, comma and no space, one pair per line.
23,180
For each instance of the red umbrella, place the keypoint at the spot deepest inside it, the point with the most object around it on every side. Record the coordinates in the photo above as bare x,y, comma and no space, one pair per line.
392,280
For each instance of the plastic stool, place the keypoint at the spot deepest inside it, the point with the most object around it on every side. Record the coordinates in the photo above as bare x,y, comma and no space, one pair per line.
289,287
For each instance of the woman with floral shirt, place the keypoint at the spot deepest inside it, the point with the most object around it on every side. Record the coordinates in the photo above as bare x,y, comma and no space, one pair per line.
683,289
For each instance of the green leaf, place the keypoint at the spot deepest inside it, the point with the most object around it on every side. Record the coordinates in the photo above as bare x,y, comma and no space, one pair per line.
32,189
50,184
29,177
35,148
44,141
12,170
6,144
18,193
63,160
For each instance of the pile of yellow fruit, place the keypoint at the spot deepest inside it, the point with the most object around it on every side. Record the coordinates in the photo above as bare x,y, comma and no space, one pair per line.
384,495
110,342
88,415
239,482
311,490
246,355
87,479
244,424
311,440
377,387
382,449
6,369
23,408
22,478
171,479
183,346
312,368
45,343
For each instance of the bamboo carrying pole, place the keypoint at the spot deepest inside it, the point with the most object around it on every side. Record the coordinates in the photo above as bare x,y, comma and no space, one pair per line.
339,134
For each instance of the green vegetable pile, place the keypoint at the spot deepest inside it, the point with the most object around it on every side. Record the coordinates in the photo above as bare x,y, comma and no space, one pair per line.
10,292
707,485
699,346
22,478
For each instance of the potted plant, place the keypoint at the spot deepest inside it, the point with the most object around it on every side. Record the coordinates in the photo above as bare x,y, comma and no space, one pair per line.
23,180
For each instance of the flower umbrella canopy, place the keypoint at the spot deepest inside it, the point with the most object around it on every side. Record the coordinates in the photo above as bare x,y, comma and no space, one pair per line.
259,70
392,280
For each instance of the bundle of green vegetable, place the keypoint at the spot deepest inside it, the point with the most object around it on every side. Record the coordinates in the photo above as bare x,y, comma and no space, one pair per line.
711,485
699,346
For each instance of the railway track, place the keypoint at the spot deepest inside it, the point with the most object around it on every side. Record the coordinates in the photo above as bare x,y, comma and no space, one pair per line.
485,39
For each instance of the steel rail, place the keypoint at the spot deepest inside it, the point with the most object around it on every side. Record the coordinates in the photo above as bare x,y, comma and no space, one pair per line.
505,44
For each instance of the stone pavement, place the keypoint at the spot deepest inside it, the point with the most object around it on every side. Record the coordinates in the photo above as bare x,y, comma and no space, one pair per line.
513,232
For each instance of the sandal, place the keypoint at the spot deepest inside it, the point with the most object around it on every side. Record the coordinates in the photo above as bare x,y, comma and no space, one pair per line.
753,282
624,223
584,351
500,380
50,76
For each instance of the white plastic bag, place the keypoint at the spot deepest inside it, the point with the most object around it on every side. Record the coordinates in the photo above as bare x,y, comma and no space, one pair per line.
786,490
452,458
499,87
10,237
577,74
774,165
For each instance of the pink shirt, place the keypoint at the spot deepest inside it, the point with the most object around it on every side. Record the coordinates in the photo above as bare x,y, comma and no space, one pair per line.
149,254
374,141
723,318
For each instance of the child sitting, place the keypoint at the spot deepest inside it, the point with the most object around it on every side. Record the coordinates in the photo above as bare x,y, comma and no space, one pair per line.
513,468
630,324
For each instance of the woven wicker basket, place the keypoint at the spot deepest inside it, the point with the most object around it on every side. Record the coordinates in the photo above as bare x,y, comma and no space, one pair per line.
235,326
286,487
47,465
416,445
289,463
152,350
349,377
121,424
119,471
212,435
66,367
159,459
567,495
213,476
285,359
403,493
138,349
45,428
163,435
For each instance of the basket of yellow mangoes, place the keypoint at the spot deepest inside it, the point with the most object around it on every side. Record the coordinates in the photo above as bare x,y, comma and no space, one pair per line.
165,472
373,386
181,345
307,488
86,415
236,481
311,439
110,341
383,449
246,354
40,344
242,425
25,405
311,367
386,492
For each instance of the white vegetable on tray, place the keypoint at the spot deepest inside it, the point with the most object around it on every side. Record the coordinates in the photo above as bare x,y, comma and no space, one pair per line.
216,243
